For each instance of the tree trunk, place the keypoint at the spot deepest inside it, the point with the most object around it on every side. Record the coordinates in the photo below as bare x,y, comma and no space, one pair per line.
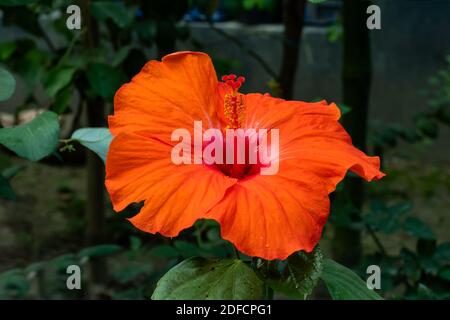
293,15
356,77
95,206
95,211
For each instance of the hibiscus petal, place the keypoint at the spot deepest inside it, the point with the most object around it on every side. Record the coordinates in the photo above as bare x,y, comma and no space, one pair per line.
264,111
273,216
139,168
167,95
311,138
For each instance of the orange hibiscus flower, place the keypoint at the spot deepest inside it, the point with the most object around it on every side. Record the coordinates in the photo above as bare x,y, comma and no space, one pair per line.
268,216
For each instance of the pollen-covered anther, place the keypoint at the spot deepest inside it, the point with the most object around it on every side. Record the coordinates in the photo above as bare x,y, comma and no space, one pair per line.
234,109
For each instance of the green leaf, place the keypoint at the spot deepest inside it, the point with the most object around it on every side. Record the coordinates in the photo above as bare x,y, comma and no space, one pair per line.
100,250
105,80
33,140
33,66
317,1
186,249
427,126
386,219
445,274
259,4
121,55
6,191
165,251
344,108
116,11
14,283
11,171
95,139
296,276
16,2
62,100
57,79
6,50
199,278
61,263
344,284
425,293
417,228
7,84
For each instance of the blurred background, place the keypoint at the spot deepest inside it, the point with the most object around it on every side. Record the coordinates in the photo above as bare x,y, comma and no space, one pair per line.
392,85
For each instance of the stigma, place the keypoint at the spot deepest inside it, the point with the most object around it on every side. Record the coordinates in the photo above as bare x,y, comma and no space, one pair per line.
234,109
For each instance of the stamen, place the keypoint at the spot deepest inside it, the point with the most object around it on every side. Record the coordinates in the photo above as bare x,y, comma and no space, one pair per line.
234,108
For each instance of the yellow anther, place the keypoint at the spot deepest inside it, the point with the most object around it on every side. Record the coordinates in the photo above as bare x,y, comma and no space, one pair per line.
234,110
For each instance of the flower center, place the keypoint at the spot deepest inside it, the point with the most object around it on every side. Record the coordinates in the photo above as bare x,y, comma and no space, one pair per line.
234,109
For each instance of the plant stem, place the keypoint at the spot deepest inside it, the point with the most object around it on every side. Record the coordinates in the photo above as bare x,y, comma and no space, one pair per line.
376,240
236,252
269,293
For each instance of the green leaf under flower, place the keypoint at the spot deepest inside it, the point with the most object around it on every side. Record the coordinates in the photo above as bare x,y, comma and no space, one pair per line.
199,278
344,284
296,276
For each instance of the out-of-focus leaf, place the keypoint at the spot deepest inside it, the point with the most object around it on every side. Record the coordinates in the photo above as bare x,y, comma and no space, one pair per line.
32,66
35,267
120,55
146,30
344,284
11,171
16,2
425,293
100,250
105,80
57,79
95,139
445,274
6,191
386,219
443,252
33,140
116,11
186,249
61,263
427,126
62,100
344,108
411,267
259,4
129,274
6,50
418,228
165,251
199,278
14,284
7,84
296,276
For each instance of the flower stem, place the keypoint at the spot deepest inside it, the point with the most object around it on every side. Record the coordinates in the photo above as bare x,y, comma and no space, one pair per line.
236,252
269,293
